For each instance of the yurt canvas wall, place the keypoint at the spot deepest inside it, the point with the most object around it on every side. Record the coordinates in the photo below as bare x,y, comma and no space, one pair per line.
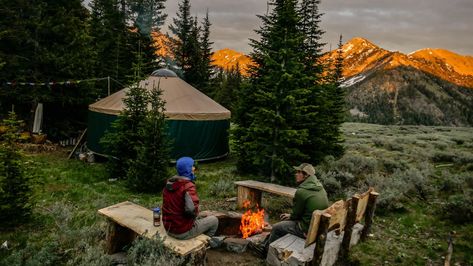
197,125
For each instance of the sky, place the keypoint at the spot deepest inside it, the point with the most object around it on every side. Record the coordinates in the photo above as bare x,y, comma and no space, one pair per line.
395,25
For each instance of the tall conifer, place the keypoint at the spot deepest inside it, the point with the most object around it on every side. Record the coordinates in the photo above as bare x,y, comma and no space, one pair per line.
267,139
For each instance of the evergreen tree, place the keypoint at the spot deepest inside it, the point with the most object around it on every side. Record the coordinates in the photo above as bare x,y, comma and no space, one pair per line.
111,40
180,43
121,141
147,16
15,186
191,47
309,25
42,42
267,138
206,68
193,74
335,107
228,84
149,170
318,120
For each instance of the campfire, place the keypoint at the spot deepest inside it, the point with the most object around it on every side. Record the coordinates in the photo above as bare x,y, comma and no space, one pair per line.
252,222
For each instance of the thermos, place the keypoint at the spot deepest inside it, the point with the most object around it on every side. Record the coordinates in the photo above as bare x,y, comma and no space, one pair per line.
157,216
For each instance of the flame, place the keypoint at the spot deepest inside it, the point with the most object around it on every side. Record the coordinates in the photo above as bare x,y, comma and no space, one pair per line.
251,222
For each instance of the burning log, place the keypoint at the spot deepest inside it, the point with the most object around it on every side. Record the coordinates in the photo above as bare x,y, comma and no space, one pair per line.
252,222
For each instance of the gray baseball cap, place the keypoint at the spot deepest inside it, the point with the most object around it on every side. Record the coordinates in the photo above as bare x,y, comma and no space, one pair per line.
306,168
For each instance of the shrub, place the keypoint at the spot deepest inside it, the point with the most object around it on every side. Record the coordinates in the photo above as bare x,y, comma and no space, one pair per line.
459,207
448,157
222,188
150,252
15,187
391,165
357,165
399,187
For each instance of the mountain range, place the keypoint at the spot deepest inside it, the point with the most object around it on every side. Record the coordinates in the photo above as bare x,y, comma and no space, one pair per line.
428,86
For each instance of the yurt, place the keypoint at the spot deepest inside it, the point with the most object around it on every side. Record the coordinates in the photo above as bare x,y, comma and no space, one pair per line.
197,124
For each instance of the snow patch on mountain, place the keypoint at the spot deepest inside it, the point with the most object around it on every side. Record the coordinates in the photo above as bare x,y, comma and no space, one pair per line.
353,80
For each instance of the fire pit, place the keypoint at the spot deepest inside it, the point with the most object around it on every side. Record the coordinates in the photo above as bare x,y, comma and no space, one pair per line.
237,230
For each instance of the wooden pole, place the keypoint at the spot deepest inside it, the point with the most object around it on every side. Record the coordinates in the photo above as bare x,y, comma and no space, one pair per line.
369,214
450,249
351,219
320,239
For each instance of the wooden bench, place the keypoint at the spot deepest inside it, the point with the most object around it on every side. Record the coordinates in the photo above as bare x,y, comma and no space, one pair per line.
127,220
338,226
252,190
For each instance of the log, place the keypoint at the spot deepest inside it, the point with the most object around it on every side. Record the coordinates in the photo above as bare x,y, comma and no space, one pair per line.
370,208
118,237
289,250
320,239
350,222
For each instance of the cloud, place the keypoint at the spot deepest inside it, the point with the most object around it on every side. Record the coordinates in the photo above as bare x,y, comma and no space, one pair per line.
398,25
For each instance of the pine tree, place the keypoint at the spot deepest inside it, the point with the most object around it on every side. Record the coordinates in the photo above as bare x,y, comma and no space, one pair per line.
228,82
267,138
111,40
15,185
181,29
191,47
193,74
147,16
337,107
121,141
149,170
47,41
206,68
318,121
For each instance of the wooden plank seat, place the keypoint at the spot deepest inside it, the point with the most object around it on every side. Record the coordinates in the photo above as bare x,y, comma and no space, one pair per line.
127,220
331,233
251,190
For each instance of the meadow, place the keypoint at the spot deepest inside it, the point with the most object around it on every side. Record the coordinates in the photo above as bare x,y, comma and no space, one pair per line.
424,175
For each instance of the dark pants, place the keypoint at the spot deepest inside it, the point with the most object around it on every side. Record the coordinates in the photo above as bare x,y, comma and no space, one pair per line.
281,229
207,225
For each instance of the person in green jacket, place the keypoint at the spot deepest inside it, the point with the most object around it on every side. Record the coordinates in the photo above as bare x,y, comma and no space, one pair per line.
310,195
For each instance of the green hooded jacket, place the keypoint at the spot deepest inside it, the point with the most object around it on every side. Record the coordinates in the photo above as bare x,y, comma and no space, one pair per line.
310,196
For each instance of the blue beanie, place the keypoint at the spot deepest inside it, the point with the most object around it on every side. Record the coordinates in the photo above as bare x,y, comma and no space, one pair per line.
184,167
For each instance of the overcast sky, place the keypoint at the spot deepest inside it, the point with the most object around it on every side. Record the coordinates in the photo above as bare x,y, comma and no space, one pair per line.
396,25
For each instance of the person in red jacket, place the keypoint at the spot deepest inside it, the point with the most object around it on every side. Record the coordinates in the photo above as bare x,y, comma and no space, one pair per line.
181,205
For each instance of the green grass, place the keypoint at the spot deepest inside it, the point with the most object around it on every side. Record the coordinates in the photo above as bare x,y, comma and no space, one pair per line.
415,168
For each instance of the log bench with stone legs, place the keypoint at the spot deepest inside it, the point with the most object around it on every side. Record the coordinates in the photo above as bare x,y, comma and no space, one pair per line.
128,220
331,234
252,190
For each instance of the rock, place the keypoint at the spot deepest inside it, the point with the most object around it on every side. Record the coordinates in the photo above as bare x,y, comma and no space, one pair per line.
216,241
237,245
5,245
258,238
119,258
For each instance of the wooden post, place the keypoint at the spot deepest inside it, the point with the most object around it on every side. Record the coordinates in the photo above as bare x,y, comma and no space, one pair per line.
369,214
320,239
246,193
350,222
118,237
450,249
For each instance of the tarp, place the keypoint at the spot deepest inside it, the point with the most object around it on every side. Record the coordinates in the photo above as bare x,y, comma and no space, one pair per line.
183,102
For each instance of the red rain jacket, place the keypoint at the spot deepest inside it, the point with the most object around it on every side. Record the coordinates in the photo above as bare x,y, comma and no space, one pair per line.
179,209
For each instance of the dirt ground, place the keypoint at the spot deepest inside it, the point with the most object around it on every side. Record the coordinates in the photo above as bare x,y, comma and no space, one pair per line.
222,257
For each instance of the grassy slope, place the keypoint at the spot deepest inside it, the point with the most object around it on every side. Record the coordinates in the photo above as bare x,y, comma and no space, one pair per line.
65,228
